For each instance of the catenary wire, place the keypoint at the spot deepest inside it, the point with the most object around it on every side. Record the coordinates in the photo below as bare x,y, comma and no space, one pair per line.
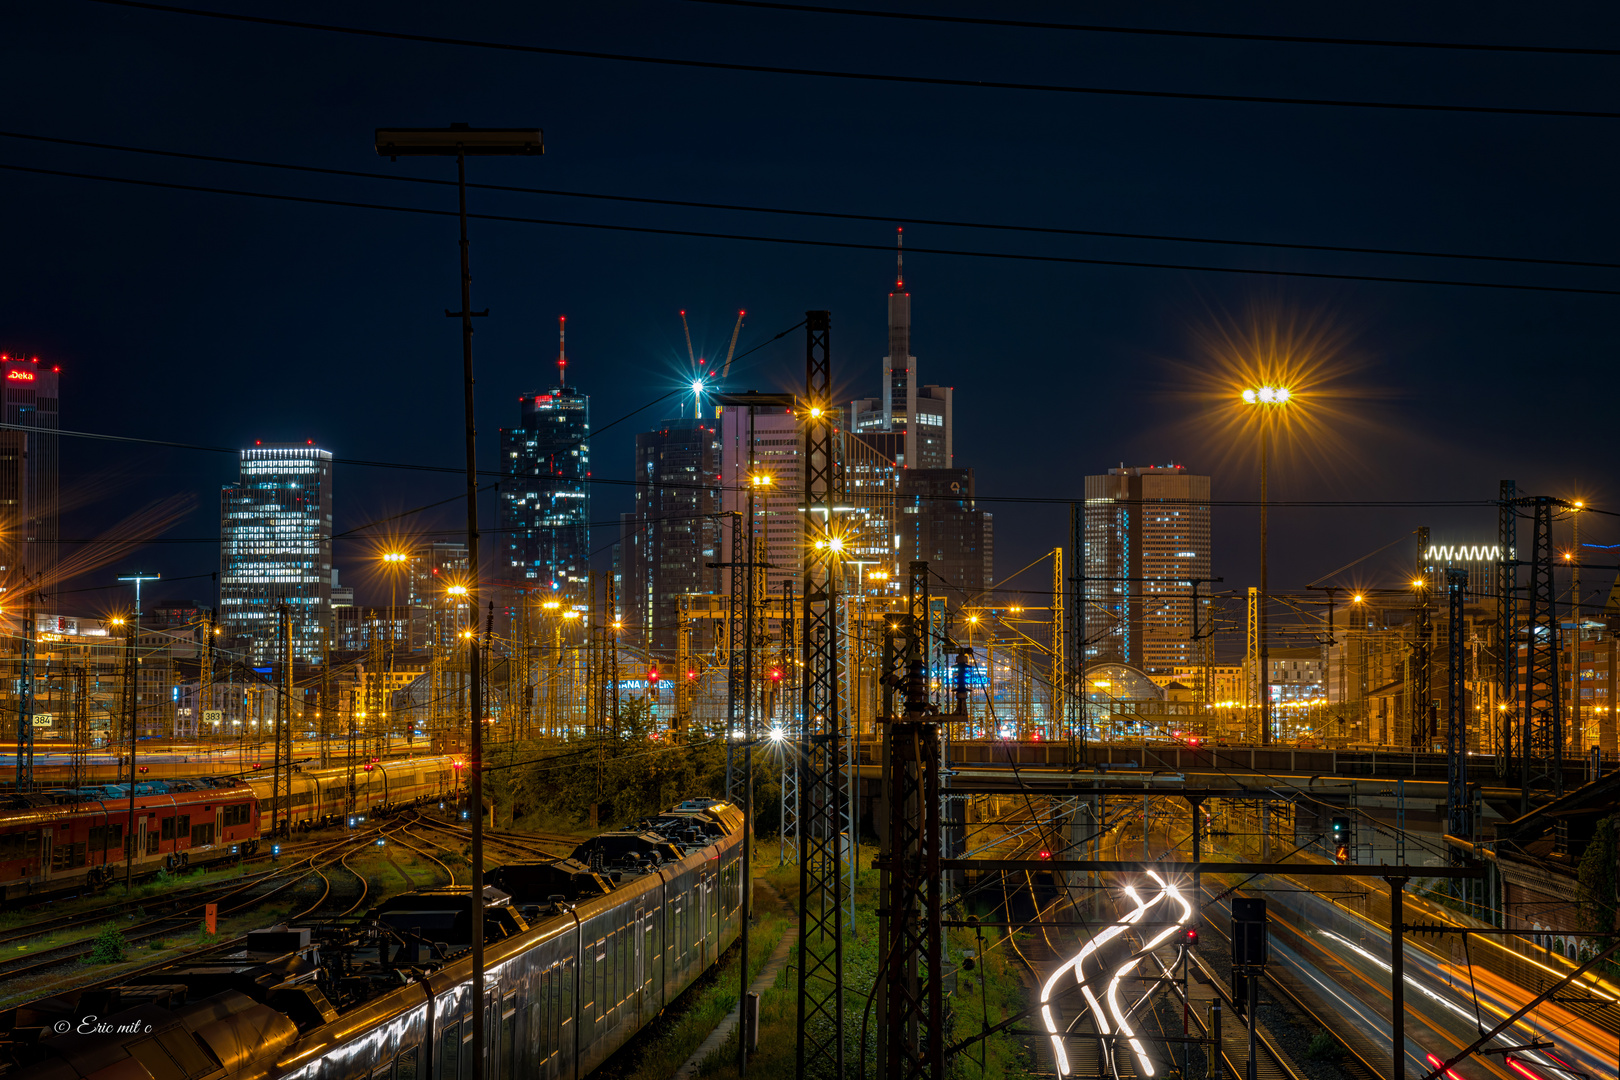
860,76
1072,260
1052,500
1098,28
887,219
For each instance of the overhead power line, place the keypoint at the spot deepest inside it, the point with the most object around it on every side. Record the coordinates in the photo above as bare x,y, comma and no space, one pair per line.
1063,500
1146,31
1073,260
859,76
886,219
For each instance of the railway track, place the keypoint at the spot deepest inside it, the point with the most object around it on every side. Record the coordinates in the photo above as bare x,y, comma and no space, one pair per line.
167,925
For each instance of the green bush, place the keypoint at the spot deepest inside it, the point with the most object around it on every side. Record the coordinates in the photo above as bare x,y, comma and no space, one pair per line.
110,947
1323,1047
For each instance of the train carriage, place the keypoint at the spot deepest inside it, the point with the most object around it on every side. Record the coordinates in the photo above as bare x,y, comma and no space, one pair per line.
567,981
65,840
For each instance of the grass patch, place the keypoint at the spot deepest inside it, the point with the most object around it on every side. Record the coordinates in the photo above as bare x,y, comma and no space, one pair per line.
1323,1047
674,1037
985,996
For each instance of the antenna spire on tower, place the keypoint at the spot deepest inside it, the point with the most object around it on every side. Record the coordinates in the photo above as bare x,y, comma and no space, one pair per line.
899,259
562,352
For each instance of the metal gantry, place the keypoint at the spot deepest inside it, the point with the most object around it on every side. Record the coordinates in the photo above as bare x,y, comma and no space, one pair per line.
1507,615
913,941
1543,720
822,805
1421,708
1457,808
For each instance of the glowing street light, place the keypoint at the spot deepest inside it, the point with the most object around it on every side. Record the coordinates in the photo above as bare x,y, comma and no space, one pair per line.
1266,398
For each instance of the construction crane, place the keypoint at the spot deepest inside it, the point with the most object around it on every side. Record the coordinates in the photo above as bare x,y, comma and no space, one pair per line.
699,374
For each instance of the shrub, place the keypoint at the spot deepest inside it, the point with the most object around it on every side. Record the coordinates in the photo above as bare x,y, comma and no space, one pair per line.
110,947
1323,1047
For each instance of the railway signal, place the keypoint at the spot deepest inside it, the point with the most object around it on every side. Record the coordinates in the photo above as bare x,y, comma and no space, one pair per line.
1341,854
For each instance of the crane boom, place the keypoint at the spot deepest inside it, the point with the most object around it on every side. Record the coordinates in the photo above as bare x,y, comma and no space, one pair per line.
690,355
735,330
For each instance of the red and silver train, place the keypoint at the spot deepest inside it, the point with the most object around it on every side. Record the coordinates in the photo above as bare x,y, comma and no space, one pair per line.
56,841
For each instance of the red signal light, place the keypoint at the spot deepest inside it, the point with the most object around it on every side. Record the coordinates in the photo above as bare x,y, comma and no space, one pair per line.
1046,854
691,674
652,677
1190,936
776,673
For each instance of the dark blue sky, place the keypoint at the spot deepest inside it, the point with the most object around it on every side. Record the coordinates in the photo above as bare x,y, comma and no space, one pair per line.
218,320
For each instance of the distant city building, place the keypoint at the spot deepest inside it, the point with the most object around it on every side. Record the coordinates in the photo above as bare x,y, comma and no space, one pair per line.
920,416
777,457
939,524
667,544
1297,674
276,547
430,572
545,500
30,400
1147,537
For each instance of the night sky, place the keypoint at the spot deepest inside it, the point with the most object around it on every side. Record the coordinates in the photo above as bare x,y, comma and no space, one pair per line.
216,319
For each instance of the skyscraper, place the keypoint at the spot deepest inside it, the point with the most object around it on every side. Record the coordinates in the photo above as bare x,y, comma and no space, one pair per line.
545,500
31,401
1147,537
939,525
919,415
777,456
674,533
275,530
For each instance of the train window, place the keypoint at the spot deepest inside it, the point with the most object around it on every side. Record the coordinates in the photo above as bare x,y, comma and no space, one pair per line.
234,815
537,1030
182,825
68,856
449,1055
202,834
108,838
19,845
405,1066
167,830
383,1072
508,1032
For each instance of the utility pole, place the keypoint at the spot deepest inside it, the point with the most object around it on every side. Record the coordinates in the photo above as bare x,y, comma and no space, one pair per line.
458,142
132,683
1421,707
25,701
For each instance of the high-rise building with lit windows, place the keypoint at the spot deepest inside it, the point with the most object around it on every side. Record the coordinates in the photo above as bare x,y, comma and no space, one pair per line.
1147,537
919,415
545,507
31,401
275,529
667,546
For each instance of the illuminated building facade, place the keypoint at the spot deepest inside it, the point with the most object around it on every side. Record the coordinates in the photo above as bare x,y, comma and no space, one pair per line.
778,455
276,546
939,524
430,571
1147,536
919,415
31,401
545,507
665,546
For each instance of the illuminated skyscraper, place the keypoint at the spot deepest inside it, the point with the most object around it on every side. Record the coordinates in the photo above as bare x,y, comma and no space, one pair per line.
1147,536
31,400
275,529
545,500
667,544
919,415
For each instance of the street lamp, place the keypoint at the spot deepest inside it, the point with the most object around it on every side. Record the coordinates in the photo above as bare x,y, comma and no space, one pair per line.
1267,399
461,141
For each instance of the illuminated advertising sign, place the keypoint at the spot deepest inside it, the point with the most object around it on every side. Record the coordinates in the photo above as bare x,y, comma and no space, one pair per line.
19,375
1463,553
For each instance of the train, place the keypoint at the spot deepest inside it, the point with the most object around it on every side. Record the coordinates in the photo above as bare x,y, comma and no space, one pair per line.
579,955
80,838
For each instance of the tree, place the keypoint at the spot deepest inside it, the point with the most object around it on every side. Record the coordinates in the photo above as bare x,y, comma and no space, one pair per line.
1595,881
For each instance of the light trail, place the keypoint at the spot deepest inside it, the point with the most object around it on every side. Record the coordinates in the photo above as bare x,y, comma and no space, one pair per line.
1076,964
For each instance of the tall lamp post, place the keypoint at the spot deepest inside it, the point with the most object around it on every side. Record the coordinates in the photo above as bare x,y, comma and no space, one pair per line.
133,659
393,562
1267,399
460,142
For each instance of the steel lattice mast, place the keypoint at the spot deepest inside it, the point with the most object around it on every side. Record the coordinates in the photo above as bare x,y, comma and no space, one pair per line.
1507,614
821,783
1543,721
